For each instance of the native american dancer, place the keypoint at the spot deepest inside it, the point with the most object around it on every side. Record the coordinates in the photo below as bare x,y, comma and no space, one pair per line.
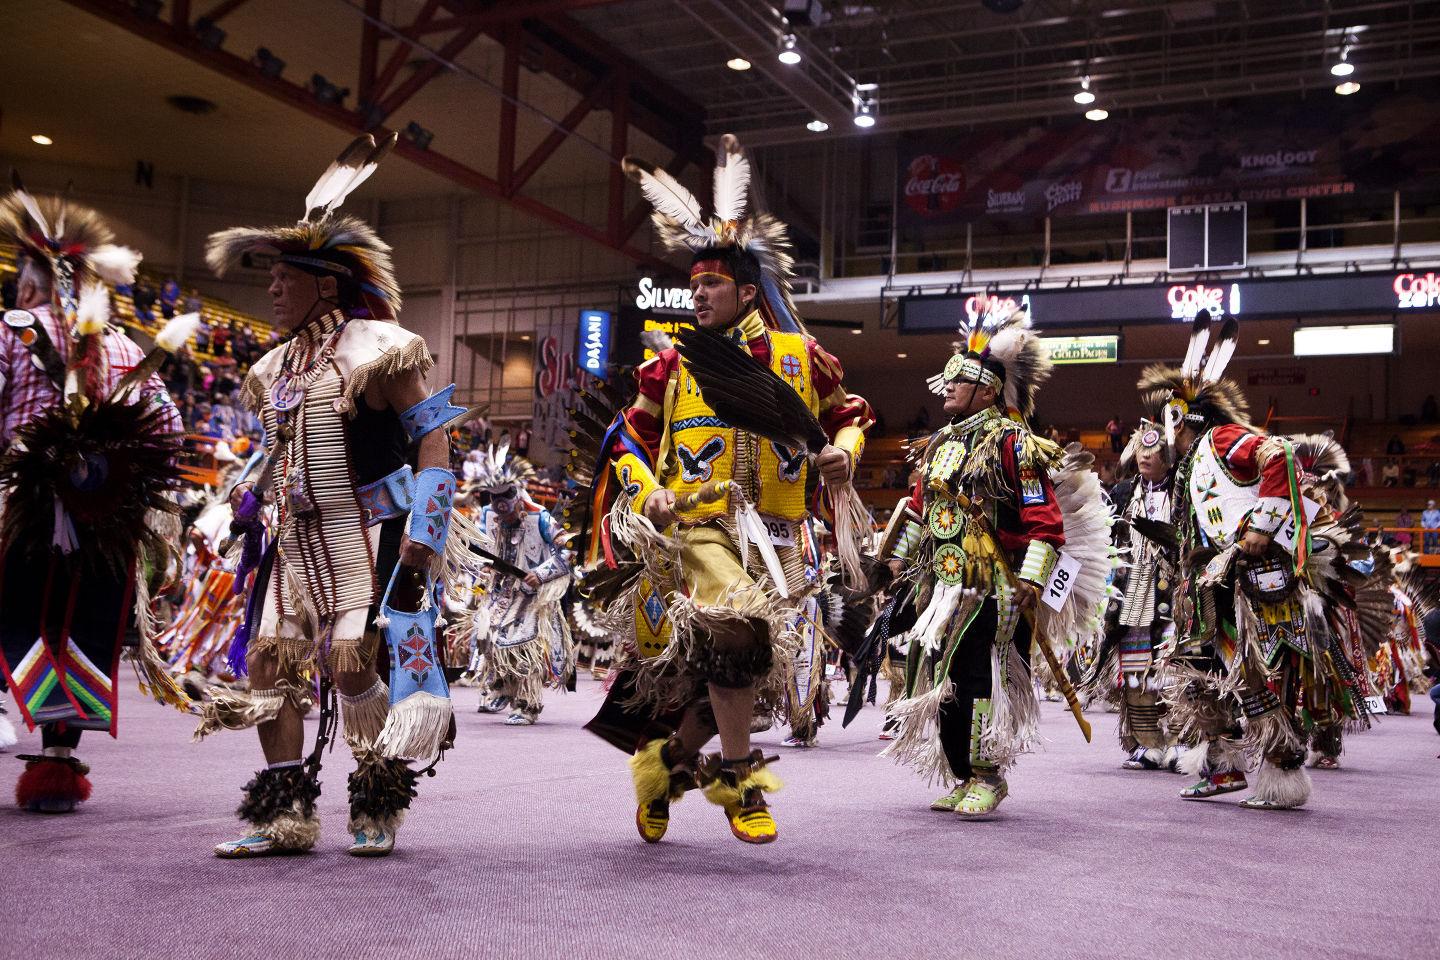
1397,666
978,542
1259,565
713,465
519,628
89,438
356,465
210,608
1348,618
1139,620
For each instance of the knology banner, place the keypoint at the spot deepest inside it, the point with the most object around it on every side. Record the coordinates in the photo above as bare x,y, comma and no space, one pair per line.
1284,151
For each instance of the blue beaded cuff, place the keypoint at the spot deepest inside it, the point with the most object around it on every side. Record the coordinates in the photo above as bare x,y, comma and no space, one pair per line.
430,513
432,413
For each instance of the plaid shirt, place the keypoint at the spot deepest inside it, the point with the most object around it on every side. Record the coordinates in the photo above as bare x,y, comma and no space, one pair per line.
25,390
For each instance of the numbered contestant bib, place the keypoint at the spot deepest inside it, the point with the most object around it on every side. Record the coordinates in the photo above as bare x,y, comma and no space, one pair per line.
1060,582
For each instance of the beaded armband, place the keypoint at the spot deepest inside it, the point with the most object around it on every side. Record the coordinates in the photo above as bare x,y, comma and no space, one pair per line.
909,540
432,413
1039,562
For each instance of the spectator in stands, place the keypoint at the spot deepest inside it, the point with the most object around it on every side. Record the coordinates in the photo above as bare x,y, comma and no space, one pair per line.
1430,520
169,297
1395,447
223,415
193,303
1055,435
1364,474
522,441
143,297
1403,521
1115,429
1390,474
1432,473
185,402
202,337
179,373
473,465
220,340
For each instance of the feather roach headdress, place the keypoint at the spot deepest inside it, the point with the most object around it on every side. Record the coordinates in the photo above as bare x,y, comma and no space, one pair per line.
323,242
751,246
1197,392
1148,435
1001,351
73,244
499,470
1323,466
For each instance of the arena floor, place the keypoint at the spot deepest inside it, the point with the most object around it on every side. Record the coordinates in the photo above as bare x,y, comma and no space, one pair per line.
523,846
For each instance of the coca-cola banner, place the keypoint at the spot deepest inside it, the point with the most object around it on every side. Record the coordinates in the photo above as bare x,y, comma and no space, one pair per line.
1286,151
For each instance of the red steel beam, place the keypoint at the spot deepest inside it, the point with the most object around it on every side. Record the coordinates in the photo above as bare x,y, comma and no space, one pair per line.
369,53
400,53
567,126
502,13
416,81
619,139
509,94
222,9
236,68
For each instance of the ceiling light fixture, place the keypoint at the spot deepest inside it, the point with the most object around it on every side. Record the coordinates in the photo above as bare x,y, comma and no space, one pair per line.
866,104
817,126
1343,67
788,54
1097,114
857,332
1084,95
418,135
41,139
738,63
1346,88
901,356
1263,341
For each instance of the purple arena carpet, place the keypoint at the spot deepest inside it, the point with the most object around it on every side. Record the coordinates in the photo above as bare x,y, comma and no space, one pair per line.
524,846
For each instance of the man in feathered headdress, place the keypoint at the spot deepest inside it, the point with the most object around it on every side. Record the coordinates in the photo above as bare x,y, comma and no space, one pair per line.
89,438
1252,561
976,545
356,470
719,588
520,626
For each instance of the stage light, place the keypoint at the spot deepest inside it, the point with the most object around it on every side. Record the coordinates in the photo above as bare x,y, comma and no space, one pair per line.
1343,67
738,63
327,92
270,65
41,139
1097,114
788,54
866,104
817,126
1084,95
1346,88
418,135
209,34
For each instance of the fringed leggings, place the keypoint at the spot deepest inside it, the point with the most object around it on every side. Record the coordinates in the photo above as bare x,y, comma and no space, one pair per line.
970,673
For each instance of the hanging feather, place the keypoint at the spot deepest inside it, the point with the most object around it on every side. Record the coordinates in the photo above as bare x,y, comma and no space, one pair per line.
94,312
174,335
666,194
371,164
747,394
31,207
340,172
114,264
1199,339
657,341
732,180
1224,350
